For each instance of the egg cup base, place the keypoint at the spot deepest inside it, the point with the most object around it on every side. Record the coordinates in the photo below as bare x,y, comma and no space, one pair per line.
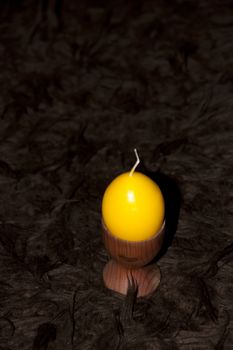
119,278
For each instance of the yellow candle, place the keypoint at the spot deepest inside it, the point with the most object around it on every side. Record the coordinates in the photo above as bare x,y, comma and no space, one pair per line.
133,207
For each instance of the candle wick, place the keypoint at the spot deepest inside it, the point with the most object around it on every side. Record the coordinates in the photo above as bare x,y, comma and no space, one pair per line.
136,164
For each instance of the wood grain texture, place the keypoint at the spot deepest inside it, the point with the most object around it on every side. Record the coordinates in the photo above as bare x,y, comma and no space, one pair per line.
118,277
128,263
133,254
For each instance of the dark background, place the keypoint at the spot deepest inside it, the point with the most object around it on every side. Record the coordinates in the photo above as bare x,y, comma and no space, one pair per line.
81,84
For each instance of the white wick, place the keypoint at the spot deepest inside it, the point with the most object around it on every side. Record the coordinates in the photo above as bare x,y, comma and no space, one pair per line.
136,164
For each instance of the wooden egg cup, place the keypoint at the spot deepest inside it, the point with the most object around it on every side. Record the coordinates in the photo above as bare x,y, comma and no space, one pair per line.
130,263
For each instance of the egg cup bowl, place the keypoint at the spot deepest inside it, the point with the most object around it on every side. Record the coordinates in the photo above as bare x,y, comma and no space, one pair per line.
130,263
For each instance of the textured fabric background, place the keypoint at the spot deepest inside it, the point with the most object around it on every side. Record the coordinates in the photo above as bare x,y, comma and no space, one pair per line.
80,87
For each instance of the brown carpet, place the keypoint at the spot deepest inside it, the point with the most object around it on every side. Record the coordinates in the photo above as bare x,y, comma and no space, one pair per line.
82,83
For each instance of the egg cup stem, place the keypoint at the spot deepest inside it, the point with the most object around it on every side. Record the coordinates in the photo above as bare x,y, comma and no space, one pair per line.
118,277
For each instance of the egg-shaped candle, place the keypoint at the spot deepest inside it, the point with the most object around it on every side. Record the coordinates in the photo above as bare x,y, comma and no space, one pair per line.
133,207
